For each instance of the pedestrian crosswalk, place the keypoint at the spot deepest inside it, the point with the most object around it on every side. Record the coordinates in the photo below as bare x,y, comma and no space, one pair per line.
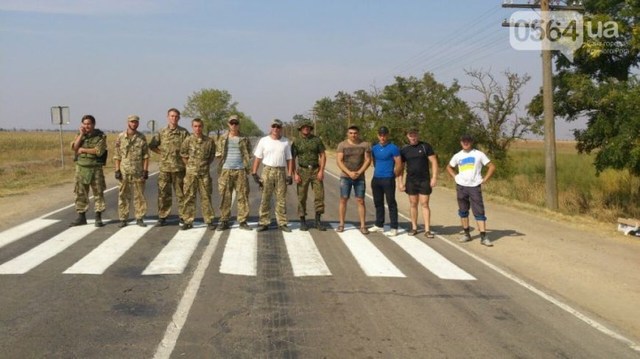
240,251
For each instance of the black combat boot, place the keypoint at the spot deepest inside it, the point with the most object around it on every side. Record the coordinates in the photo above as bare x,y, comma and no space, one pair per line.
303,224
98,222
319,224
81,220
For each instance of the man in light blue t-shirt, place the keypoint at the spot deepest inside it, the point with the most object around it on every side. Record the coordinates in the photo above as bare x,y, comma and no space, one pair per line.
387,169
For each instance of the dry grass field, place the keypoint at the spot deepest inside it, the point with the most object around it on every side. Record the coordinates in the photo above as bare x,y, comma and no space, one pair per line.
32,160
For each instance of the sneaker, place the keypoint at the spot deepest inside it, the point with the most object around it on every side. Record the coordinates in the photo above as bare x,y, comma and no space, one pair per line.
262,228
224,225
245,226
284,228
140,222
392,232
375,228
466,237
486,242
122,224
187,226
162,222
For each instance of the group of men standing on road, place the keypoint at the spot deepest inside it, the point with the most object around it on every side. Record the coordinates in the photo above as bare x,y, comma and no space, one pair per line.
185,161
413,169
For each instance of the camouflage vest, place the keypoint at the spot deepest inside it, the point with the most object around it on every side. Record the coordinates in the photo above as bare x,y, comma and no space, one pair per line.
98,140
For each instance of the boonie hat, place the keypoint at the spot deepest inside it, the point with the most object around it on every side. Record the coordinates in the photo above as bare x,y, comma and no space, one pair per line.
133,118
276,122
466,138
305,124
383,130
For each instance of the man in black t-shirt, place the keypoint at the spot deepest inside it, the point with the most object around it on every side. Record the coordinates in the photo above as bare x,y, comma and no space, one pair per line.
419,181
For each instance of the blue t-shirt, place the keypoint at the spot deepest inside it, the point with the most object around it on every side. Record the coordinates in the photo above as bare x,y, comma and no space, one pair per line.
383,159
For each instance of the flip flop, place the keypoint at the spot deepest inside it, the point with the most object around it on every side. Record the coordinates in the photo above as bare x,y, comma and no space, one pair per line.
364,230
429,234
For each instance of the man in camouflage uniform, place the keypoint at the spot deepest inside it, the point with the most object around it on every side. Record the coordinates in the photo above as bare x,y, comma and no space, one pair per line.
308,153
167,143
274,152
132,170
89,146
233,168
197,151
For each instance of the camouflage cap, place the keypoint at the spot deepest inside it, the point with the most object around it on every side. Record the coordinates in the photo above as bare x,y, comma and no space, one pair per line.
234,118
305,123
276,122
133,118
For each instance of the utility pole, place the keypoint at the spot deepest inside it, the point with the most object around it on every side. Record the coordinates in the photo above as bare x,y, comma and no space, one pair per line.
551,182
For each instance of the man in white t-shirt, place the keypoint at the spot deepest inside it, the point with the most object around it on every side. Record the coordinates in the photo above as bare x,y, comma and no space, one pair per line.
274,152
469,182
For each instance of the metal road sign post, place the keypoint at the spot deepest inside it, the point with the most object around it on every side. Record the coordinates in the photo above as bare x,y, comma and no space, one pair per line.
60,116
151,124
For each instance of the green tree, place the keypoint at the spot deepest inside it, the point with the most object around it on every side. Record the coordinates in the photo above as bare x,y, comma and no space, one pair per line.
600,85
213,106
433,108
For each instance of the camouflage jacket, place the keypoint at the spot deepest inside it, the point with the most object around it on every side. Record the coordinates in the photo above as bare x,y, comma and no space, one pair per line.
199,153
131,152
245,150
98,140
168,141
307,150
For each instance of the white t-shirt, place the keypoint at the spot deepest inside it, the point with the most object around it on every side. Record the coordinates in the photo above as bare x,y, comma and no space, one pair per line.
469,167
274,153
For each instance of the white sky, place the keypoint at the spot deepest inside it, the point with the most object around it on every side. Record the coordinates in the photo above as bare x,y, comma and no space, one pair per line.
112,58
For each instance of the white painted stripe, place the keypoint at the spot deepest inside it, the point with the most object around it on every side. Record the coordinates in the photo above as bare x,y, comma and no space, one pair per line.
168,343
29,260
241,253
109,251
20,231
430,259
174,257
369,257
304,255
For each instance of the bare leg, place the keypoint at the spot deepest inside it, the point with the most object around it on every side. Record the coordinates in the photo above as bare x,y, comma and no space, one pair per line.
342,210
413,204
426,212
361,211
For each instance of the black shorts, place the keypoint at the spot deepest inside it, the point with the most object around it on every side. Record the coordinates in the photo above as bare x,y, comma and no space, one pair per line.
417,186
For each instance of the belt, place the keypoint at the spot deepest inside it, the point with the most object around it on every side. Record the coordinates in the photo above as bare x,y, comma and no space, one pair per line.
308,166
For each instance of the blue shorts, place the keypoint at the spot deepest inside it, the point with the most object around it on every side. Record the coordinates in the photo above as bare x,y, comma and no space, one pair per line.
358,185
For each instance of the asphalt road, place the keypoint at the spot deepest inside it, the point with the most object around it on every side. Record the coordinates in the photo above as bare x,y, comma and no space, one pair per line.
138,293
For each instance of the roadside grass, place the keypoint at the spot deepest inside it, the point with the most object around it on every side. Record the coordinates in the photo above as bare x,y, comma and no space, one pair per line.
603,197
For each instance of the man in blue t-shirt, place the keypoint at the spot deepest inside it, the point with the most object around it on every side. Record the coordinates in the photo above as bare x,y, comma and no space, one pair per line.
388,167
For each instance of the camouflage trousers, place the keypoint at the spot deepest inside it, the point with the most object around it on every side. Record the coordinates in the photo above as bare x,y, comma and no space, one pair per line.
167,181
228,181
274,180
127,185
309,176
194,184
89,178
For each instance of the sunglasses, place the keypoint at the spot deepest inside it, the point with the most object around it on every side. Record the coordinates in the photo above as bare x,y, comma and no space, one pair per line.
276,126
233,123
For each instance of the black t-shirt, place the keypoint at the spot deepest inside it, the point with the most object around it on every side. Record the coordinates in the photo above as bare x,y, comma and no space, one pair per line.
417,161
